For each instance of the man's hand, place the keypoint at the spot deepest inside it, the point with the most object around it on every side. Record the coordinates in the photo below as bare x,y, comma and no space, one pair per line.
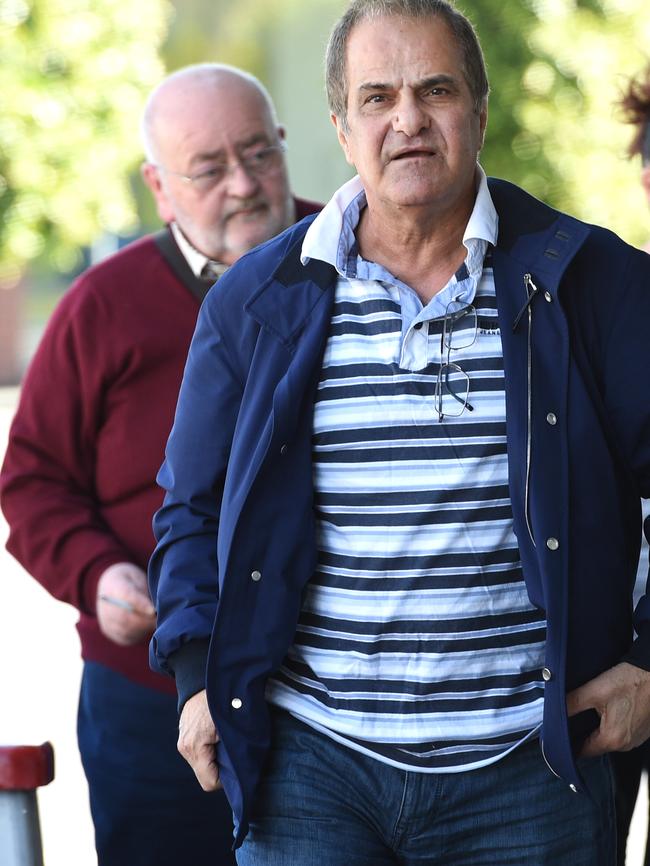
621,697
124,610
197,737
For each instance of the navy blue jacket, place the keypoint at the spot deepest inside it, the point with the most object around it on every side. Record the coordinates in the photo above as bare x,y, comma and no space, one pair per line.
236,533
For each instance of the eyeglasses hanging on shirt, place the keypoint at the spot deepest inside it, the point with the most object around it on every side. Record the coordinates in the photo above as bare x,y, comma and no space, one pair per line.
459,331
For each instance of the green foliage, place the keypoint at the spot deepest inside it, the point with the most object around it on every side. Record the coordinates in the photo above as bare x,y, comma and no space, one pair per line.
557,69
73,78
511,149
587,52
75,73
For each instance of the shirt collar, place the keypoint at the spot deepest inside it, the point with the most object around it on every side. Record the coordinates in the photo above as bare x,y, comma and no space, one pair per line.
197,262
330,238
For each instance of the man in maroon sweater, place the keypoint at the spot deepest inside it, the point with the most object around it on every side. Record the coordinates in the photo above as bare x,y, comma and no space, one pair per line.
78,482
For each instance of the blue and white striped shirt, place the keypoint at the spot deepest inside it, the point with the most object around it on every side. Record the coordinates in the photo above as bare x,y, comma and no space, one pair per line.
417,642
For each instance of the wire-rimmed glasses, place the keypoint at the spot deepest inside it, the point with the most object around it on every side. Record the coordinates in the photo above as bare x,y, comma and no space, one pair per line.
459,331
257,163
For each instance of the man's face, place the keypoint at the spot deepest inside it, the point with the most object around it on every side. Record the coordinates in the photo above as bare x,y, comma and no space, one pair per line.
413,132
200,128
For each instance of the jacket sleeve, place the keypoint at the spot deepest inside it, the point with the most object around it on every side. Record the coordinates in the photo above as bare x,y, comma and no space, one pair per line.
625,345
47,481
183,571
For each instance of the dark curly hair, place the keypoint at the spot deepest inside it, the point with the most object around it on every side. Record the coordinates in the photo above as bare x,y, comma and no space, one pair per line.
635,107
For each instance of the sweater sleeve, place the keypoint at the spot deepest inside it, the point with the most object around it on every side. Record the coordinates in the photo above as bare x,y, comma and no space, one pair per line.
47,482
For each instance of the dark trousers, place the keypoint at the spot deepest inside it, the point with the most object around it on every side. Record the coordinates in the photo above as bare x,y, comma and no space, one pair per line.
627,768
147,807
321,803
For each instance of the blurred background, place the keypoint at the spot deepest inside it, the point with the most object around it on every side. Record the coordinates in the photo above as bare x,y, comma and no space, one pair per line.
74,75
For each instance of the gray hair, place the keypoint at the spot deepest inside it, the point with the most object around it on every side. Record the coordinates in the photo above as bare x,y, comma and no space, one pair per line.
362,10
206,73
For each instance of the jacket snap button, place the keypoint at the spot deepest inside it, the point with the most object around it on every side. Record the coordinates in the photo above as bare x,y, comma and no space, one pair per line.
236,703
552,419
283,450
552,543
546,675
256,575
573,788
548,297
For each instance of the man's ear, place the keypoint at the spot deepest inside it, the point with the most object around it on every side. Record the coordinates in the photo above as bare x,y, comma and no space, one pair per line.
151,176
341,133
483,117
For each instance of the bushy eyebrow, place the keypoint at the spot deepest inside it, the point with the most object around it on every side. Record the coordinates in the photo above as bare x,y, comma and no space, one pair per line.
437,80
220,155
423,84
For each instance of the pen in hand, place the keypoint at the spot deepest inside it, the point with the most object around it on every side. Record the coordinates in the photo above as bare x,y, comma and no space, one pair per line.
118,602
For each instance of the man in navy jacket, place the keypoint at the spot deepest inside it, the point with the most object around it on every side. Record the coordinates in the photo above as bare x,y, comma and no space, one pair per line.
396,556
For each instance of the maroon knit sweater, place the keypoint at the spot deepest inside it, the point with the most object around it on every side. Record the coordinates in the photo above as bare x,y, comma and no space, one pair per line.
78,482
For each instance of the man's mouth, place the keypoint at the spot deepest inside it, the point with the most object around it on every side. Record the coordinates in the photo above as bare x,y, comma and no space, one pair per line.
250,210
413,153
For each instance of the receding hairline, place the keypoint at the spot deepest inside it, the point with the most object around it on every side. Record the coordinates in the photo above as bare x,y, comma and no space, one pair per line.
209,75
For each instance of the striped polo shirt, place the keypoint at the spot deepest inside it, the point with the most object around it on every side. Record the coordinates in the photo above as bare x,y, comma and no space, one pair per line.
417,642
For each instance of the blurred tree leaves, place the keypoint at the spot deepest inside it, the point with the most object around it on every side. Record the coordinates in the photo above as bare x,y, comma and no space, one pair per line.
73,78
74,75
586,53
557,69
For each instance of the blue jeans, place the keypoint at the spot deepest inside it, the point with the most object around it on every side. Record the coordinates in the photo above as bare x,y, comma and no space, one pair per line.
147,806
323,804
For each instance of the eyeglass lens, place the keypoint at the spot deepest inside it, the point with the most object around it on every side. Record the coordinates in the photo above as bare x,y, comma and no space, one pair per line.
452,391
257,164
460,328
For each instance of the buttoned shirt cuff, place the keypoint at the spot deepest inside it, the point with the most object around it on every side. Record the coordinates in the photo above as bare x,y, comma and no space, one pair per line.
189,664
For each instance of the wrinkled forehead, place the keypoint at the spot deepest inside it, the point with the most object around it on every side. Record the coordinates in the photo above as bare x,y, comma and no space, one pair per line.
394,49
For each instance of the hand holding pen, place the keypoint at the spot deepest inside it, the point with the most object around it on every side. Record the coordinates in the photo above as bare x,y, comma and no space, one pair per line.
118,602
124,609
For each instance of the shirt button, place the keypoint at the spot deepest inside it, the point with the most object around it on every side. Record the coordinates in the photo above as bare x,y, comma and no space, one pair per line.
552,419
548,297
256,575
283,450
552,543
546,675
236,703
573,788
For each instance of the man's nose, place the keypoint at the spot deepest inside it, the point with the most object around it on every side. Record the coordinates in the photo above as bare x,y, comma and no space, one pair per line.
410,117
241,181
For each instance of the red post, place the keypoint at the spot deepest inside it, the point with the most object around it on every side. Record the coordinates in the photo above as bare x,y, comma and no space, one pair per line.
23,769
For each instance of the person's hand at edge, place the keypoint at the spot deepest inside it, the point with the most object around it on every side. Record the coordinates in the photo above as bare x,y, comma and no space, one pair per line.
197,738
621,697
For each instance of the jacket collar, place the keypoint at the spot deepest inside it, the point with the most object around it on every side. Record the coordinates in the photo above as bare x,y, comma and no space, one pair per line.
542,239
545,247
285,302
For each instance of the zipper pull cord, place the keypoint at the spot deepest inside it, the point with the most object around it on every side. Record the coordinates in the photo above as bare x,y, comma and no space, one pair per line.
532,291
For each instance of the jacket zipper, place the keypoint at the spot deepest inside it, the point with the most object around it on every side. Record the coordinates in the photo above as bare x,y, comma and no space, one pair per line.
531,291
541,744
